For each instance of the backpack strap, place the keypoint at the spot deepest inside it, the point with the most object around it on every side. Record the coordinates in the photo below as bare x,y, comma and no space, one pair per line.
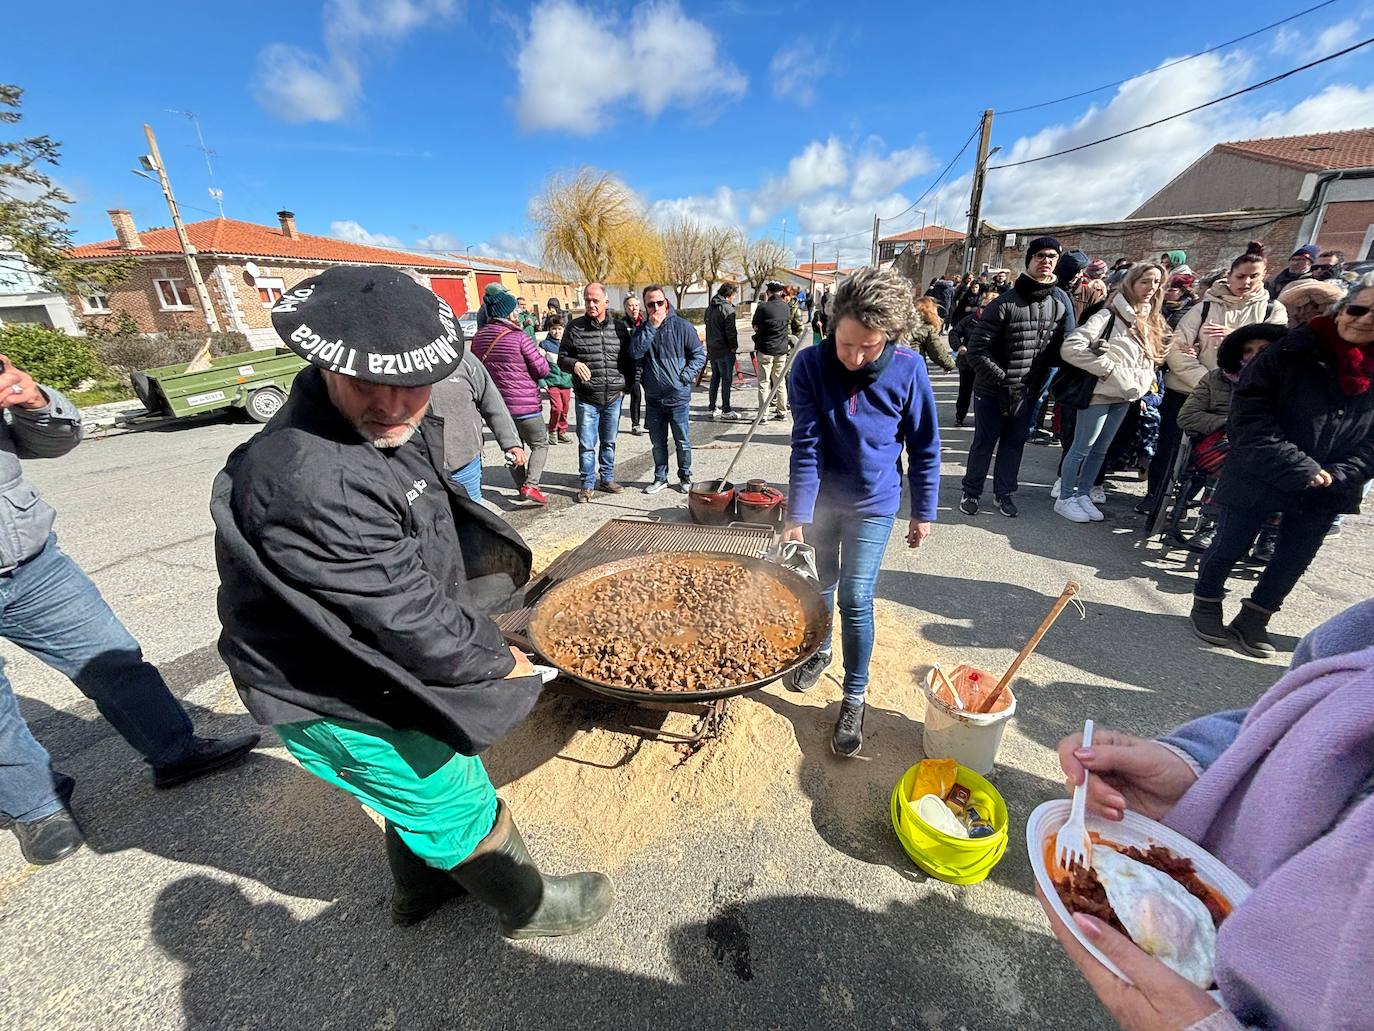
1269,310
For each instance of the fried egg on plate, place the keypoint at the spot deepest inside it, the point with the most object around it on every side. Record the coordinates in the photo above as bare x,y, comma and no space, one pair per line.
1159,914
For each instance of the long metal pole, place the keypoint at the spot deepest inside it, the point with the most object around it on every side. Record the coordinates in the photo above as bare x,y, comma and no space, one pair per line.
187,251
873,250
975,207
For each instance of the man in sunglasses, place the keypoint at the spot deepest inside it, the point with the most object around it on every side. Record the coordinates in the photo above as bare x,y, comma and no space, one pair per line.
668,355
1329,265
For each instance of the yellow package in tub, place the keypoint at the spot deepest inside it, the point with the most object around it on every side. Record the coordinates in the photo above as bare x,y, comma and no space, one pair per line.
944,856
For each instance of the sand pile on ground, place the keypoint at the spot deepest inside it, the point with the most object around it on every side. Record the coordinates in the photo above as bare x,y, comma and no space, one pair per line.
570,767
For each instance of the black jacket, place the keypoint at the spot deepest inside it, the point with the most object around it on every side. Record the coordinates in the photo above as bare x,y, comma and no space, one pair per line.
355,582
605,350
1289,421
1014,331
942,293
770,322
722,334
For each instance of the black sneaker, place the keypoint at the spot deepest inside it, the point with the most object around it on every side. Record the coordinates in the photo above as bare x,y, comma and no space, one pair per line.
208,755
1263,551
969,505
808,674
849,730
1007,507
50,839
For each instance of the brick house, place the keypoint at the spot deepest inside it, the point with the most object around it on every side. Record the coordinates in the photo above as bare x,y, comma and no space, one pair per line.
931,236
246,268
1329,176
537,284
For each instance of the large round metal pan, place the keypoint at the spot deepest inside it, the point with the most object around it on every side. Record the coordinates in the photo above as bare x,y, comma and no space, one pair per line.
814,613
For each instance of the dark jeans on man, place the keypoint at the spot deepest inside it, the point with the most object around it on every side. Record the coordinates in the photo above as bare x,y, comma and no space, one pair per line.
1300,538
1162,464
965,398
1006,434
52,610
661,420
722,378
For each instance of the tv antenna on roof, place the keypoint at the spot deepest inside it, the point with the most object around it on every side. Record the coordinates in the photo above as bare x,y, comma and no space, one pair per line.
215,193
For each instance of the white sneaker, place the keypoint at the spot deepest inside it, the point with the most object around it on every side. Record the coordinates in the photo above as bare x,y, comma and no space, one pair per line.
1068,508
656,486
1090,510
1098,495
1054,491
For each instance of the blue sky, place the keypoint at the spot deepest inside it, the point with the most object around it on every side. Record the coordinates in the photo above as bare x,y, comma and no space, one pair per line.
431,123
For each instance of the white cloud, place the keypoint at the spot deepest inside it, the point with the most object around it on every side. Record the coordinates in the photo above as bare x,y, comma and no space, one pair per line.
576,67
720,208
1337,36
300,86
439,242
875,174
351,231
510,245
795,70
818,167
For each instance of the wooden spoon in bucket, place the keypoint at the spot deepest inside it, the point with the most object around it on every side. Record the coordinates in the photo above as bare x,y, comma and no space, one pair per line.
1070,589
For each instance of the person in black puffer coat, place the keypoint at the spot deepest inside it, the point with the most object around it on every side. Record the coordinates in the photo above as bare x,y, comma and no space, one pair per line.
1302,442
722,344
596,350
1004,345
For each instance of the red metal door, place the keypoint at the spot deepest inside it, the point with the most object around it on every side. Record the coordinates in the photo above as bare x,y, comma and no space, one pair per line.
451,289
484,279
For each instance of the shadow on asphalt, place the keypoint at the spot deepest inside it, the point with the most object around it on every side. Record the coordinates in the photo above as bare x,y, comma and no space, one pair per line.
789,961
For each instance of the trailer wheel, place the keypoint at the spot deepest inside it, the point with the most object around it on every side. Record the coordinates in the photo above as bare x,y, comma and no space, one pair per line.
264,403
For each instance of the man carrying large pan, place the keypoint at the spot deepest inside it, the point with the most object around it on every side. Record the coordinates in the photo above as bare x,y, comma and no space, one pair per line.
354,587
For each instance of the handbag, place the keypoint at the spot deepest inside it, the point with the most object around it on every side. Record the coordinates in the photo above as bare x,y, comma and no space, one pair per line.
1073,387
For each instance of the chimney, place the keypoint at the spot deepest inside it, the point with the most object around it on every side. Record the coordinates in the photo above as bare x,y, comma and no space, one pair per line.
288,225
125,229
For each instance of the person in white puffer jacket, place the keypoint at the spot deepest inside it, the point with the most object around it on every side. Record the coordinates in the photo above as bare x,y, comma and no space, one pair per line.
1238,300
1122,345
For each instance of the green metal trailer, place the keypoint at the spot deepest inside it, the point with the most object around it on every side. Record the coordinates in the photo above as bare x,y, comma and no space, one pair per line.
256,381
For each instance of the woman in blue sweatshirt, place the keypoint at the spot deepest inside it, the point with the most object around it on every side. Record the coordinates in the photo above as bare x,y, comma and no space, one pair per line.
858,401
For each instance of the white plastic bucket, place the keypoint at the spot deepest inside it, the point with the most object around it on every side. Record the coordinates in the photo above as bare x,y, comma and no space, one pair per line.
969,738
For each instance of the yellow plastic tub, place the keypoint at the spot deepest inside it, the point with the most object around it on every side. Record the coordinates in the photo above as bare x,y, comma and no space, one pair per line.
952,859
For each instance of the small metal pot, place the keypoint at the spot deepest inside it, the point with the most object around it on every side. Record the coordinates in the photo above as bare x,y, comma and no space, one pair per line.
711,502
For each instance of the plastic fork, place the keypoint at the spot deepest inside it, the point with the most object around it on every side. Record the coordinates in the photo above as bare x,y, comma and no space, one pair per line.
1072,846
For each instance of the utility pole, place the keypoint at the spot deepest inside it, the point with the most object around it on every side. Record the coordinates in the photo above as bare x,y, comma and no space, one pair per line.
154,160
975,206
812,290
873,249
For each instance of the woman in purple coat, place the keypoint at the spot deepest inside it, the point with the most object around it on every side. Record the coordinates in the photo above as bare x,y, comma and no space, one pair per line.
516,366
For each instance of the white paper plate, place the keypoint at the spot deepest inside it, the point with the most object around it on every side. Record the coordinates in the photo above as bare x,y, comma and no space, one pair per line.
1136,830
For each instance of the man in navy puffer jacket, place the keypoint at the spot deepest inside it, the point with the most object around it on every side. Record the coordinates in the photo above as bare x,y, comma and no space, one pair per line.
668,355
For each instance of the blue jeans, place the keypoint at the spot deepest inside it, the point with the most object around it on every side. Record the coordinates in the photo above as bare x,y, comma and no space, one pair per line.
469,478
722,378
597,424
52,610
849,553
1092,436
660,420
1006,434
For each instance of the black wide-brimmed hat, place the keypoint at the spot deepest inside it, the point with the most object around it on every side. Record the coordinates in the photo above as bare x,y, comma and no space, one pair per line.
372,322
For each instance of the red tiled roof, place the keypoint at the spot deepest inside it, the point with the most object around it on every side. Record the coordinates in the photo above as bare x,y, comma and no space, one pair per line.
819,266
931,234
524,270
230,236
1316,152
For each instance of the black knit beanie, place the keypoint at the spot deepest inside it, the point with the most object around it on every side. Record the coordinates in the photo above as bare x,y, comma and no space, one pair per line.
1039,244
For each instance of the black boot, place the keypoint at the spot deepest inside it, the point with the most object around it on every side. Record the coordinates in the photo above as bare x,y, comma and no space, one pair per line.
1249,630
1207,621
848,737
208,754
420,889
49,839
501,873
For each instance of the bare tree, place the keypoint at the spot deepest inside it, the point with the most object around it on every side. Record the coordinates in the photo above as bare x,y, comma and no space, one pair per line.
760,259
722,255
593,223
684,255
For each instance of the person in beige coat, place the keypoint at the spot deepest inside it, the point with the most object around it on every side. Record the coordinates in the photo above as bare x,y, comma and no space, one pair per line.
1122,345
1238,300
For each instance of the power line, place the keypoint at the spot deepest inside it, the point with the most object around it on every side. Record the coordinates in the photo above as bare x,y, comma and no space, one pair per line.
1191,110
1171,64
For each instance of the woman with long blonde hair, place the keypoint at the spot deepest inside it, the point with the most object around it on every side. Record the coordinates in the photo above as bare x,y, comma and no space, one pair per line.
925,338
1122,345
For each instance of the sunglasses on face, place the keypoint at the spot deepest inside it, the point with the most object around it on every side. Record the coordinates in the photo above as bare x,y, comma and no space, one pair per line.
657,304
1358,311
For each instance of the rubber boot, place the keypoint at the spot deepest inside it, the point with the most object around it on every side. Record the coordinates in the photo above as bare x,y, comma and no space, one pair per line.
1249,630
1207,621
420,889
501,874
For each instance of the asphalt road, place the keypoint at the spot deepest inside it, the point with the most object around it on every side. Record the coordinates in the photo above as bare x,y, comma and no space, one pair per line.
257,898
